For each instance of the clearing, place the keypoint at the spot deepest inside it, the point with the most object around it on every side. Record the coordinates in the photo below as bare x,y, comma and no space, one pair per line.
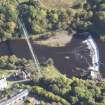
57,3
59,39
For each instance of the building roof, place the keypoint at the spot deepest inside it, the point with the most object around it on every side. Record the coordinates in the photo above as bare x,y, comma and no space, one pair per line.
15,97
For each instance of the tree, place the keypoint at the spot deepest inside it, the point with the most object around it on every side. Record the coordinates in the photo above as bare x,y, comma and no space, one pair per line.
12,12
101,7
99,21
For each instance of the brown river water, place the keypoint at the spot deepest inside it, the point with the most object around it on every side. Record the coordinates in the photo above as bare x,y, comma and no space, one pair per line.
65,59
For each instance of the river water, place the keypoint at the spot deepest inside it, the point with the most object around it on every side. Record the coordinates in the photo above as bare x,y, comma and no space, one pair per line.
65,59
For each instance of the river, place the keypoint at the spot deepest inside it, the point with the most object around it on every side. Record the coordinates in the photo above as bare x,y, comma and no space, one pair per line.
65,59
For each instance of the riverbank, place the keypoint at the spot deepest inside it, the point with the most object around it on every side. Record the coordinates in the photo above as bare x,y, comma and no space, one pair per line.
58,39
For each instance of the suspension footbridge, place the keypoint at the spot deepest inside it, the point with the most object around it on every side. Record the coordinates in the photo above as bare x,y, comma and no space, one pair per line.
34,57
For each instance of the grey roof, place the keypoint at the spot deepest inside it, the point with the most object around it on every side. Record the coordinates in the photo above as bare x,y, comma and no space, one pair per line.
14,98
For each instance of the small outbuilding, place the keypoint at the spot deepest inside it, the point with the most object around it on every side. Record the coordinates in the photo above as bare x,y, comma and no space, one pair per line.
3,84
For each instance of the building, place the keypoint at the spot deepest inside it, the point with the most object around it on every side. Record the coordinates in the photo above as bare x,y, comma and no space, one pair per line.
3,84
24,75
21,96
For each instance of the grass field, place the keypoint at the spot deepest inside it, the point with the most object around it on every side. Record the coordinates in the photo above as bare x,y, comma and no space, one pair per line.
50,72
57,3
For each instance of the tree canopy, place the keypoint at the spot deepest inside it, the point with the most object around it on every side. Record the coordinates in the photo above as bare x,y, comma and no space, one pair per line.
89,16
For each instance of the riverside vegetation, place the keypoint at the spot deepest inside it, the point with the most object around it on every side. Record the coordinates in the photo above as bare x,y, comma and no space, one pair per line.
85,15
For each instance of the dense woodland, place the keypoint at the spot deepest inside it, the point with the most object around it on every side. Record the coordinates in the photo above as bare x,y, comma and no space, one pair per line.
54,88
84,15
64,91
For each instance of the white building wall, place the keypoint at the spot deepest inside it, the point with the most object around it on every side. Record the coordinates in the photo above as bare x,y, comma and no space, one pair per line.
3,84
